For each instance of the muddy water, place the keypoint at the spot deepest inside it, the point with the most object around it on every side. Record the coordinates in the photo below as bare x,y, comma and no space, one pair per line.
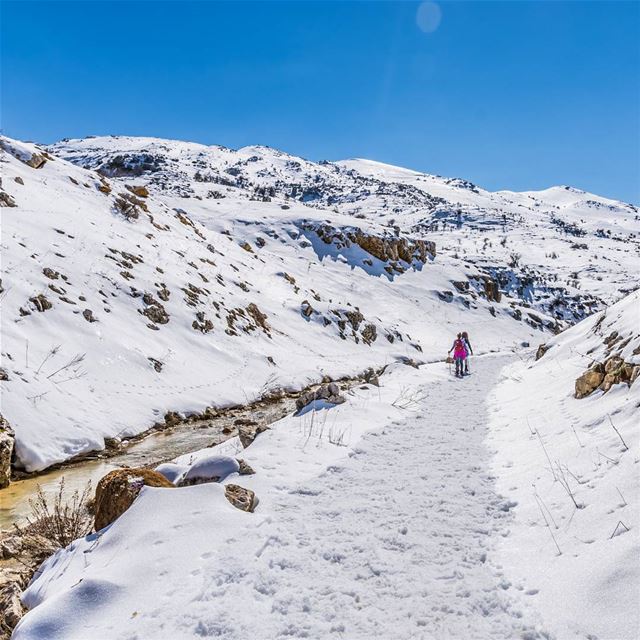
156,447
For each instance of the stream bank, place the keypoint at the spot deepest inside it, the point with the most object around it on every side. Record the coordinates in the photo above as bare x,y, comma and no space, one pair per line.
162,442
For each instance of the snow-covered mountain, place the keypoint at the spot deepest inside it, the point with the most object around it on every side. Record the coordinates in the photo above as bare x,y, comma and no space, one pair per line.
141,276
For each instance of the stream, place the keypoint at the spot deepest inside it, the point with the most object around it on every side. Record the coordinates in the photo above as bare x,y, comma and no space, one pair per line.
151,449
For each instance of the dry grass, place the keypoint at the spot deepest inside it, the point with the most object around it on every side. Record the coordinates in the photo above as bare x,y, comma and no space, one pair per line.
61,520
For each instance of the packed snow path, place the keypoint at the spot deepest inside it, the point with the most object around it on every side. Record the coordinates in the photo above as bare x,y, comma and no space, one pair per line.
395,542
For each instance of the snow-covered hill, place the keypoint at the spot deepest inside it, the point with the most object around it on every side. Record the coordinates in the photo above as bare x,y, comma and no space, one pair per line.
141,276
387,515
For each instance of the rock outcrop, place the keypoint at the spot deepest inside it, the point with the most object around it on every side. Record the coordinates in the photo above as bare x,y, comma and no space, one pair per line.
542,349
492,289
249,431
589,381
327,392
117,490
7,439
603,376
397,252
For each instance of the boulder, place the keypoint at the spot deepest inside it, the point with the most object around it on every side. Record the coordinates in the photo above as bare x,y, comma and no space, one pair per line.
6,200
209,468
542,349
608,382
371,377
588,382
36,161
241,498
461,285
117,490
328,392
171,471
11,606
247,433
244,468
7,439
613,364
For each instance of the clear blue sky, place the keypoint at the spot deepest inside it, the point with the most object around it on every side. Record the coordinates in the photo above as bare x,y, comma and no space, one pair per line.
518,95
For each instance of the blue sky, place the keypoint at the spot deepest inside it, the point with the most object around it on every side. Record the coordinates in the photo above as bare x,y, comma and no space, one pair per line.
519,95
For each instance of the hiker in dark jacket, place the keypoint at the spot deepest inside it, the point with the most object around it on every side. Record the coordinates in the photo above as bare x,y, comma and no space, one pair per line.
467,344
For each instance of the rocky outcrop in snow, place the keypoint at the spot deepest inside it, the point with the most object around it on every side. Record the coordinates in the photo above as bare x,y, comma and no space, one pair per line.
116,492
7,440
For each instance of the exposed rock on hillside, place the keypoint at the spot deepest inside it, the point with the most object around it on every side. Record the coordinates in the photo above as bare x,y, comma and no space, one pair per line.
399,253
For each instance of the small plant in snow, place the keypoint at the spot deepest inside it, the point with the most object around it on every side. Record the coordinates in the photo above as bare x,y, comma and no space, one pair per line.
63,520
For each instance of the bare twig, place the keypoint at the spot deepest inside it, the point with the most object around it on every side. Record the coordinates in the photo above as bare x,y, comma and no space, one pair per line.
51,353
76,360
548,527
626,448
546,454
623,500
616,529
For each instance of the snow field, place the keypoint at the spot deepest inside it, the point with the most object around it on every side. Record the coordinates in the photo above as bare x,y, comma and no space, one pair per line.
393,535
576,536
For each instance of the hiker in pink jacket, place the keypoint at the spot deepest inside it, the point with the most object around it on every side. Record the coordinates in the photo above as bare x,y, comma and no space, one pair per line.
459,355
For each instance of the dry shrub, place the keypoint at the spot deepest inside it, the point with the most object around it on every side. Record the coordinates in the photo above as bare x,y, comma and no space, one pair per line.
62,521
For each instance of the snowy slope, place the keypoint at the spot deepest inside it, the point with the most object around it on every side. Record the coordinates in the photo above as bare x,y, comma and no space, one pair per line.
146,310
141,276
574,478
391,536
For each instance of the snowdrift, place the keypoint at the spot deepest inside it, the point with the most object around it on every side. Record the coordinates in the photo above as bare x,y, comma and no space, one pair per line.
571,466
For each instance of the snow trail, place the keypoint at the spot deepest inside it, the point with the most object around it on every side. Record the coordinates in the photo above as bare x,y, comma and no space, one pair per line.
395,542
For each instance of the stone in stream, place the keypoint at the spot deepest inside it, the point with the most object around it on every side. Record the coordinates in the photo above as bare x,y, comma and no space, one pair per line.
327,392
248,433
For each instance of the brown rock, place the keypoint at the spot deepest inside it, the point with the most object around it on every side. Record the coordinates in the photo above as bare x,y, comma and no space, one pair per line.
241,498
245,469
10,606
37,161
139,190
542,349
6,200
588,382
608,381
40,302
7,439
369,334
613,364
492,290
117,490
248,433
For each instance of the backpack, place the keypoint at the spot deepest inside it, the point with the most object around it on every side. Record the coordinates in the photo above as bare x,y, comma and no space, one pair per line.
458,346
